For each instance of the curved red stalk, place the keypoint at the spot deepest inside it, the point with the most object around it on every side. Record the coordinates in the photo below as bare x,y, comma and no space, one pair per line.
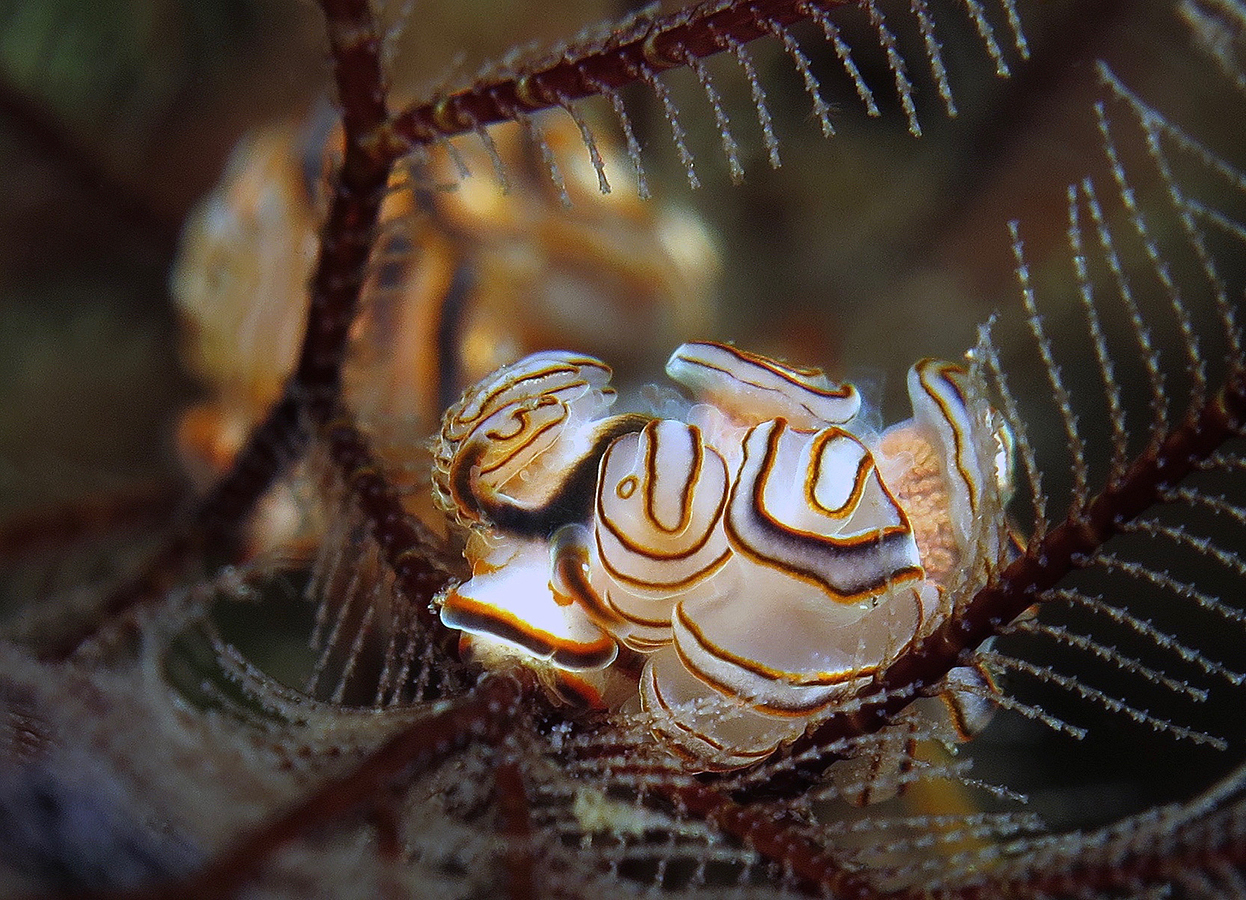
664,43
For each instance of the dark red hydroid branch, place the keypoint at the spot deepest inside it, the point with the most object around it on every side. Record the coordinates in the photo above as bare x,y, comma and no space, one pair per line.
516,821
629,54
373,143
1155,865
788,845
346,239
311,394
345,244
485,715
1055,556
412,552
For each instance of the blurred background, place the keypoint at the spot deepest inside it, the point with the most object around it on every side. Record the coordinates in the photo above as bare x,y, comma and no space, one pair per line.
861,253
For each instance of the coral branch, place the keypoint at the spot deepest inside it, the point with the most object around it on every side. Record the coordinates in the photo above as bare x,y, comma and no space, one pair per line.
485,715
312,391
759,828
1161,865
517,828
416,556
627,55
345,245
1059,552
346,241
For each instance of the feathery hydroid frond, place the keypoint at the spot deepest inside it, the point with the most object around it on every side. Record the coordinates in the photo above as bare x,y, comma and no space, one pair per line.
644,46
1135,578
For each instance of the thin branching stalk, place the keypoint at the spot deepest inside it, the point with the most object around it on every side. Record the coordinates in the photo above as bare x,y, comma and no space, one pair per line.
311,394
629,55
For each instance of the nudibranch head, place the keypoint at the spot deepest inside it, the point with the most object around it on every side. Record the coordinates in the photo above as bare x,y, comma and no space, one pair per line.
511,449
765,567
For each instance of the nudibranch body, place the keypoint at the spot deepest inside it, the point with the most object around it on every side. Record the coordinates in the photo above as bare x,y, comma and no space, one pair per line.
759,559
